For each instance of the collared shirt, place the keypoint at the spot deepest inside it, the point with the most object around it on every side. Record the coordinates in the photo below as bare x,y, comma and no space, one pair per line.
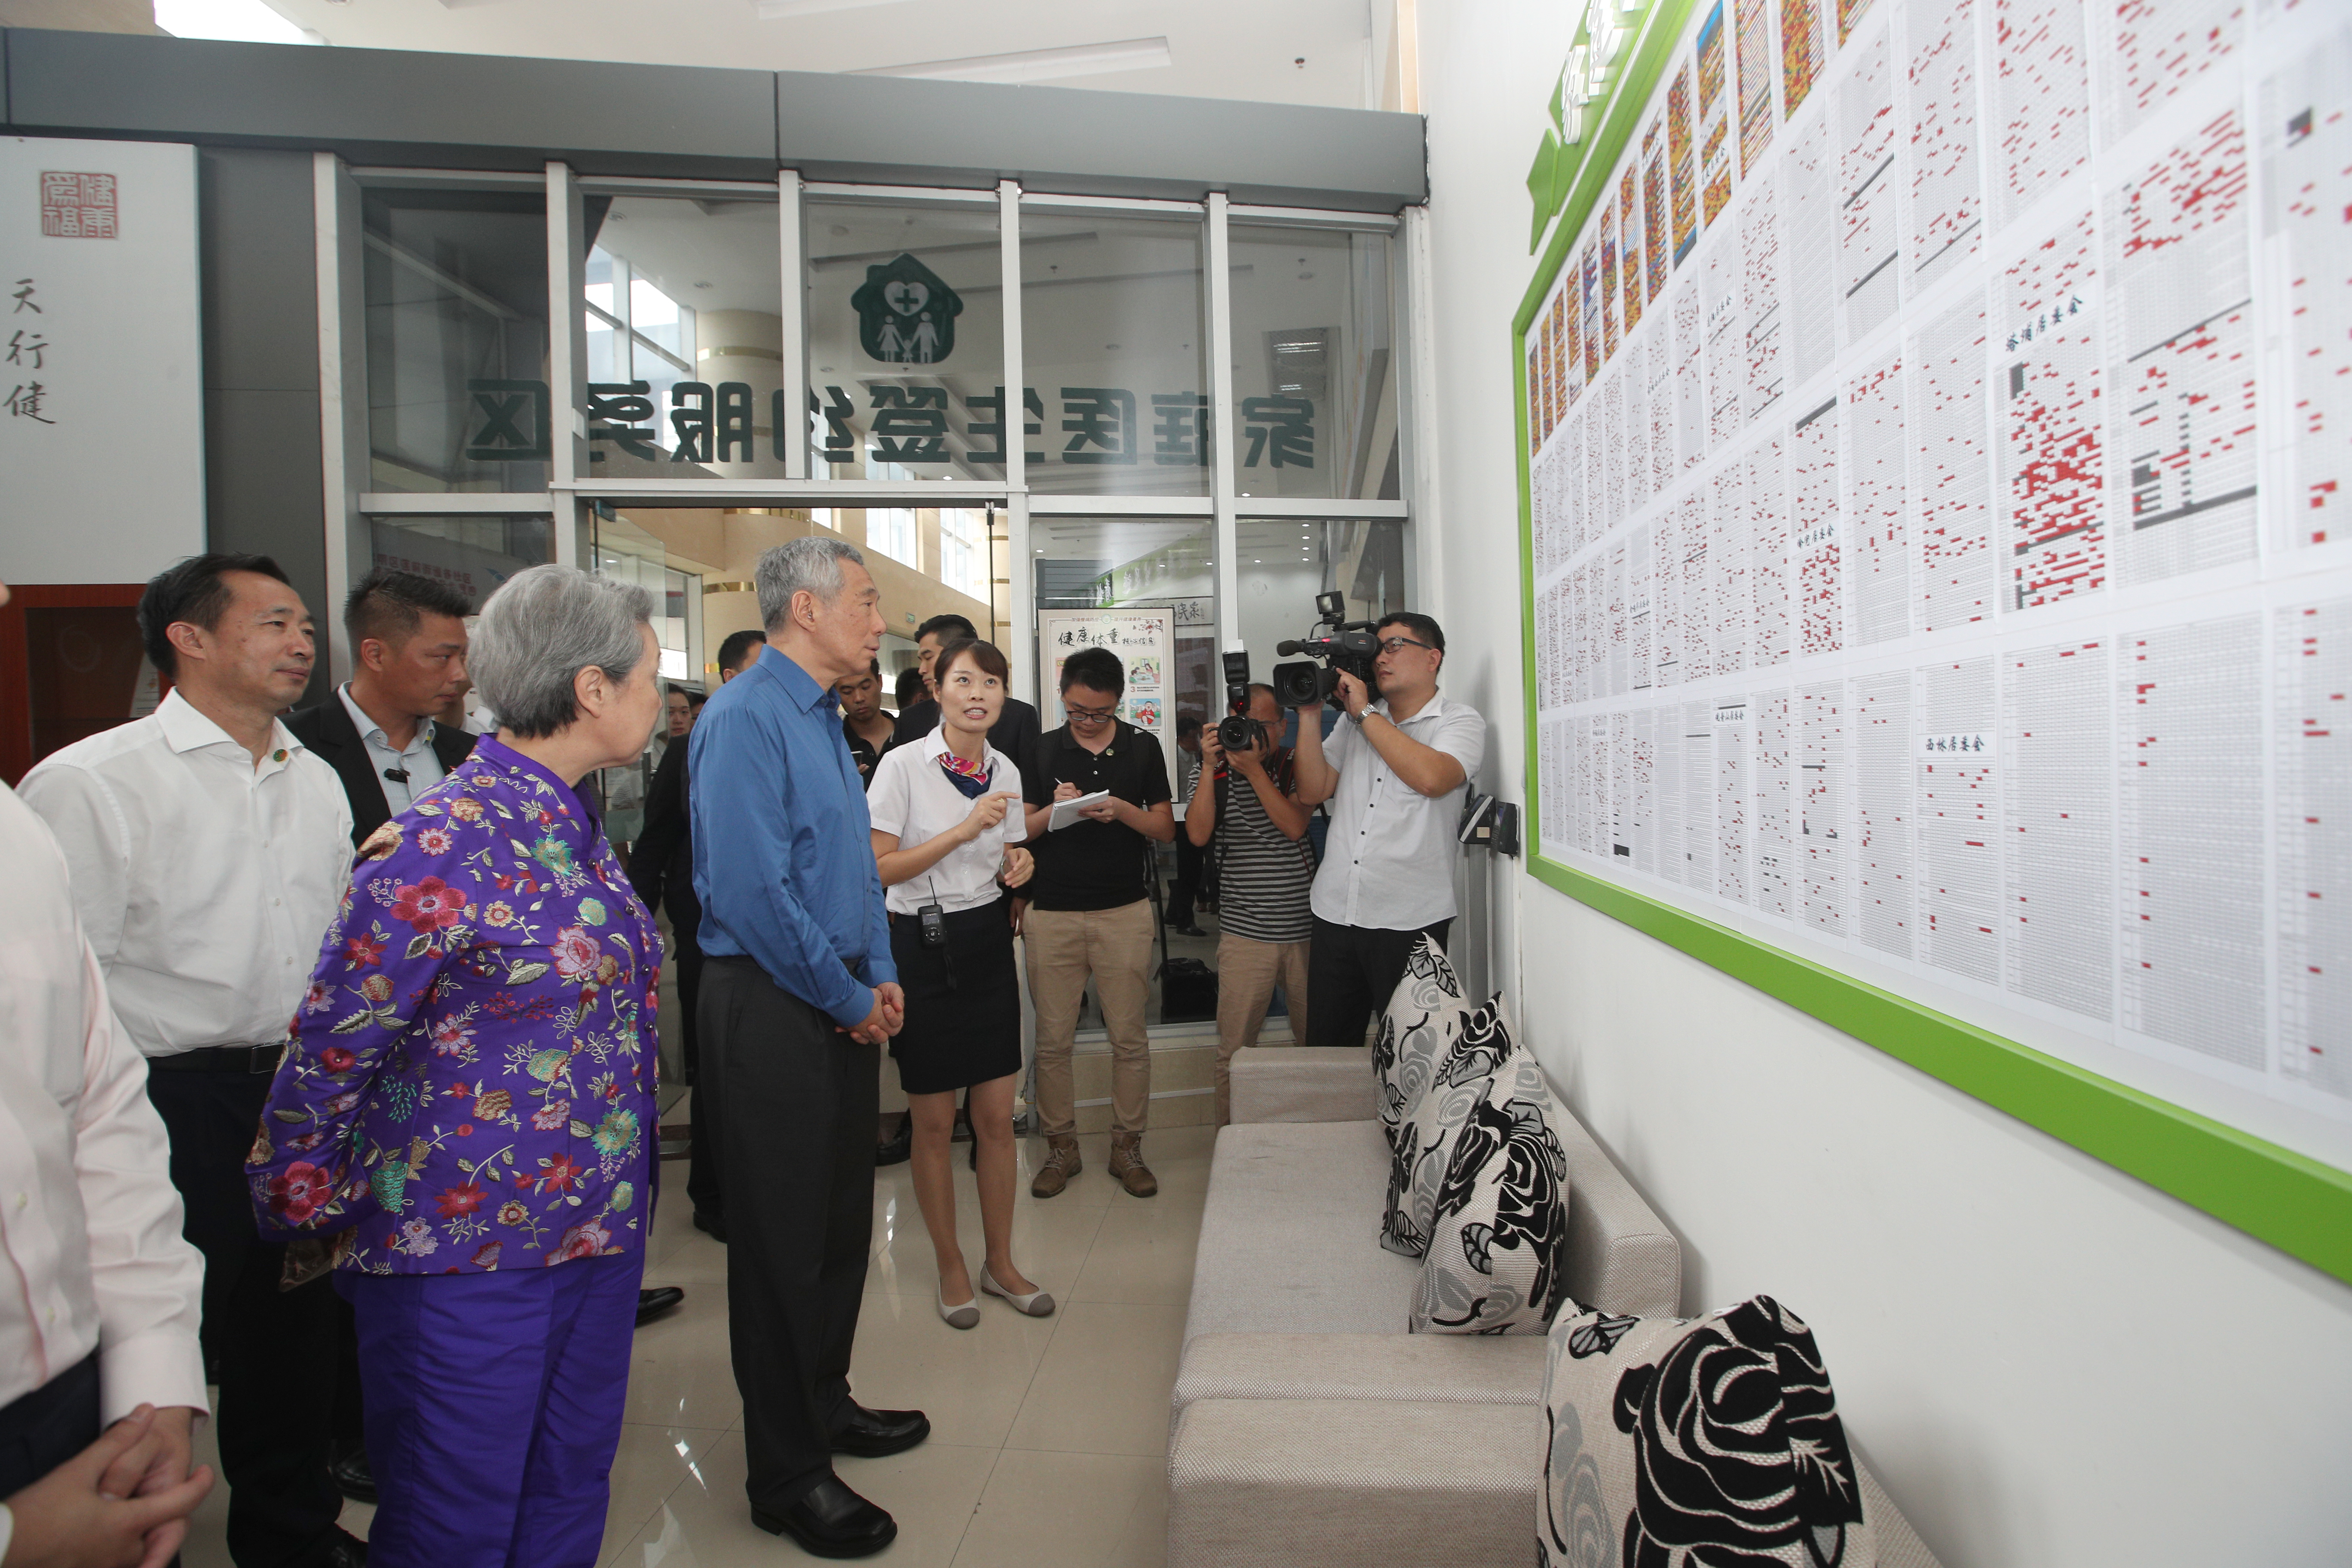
783,860
471,1084
203,882
89,1222
1092,864
913,797
1388,860
419,761
862,752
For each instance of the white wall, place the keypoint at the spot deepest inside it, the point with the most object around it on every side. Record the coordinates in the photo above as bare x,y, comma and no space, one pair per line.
2046,1361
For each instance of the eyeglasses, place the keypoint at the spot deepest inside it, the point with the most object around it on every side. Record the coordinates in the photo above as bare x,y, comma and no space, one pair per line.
1092,715
1390,645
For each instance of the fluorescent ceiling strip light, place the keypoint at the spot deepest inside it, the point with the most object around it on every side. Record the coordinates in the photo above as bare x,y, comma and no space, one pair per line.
779,10
1041,65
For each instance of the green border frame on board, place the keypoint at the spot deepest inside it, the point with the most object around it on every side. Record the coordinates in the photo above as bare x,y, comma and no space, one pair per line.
2301,1206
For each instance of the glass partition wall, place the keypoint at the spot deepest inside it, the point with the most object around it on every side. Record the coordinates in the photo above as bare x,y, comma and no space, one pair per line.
1018,405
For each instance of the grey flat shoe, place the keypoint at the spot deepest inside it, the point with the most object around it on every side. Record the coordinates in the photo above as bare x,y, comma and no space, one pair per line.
964,1317
1036,1304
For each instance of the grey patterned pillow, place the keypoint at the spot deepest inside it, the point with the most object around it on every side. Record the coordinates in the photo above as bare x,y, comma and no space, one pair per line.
1417,1030
1696,1439
1476,1043
1498,1226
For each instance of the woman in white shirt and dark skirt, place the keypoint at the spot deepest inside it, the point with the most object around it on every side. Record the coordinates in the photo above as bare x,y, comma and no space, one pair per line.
946,810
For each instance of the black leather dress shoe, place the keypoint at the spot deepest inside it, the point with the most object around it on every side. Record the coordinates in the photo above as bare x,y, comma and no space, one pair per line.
711,1226
652,1303
878,1433
345,1551
832,1521
899,1148
347,1463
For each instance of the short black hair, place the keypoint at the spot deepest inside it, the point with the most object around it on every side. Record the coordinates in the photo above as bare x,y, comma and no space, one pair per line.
986,654
736,651
950,622
1187,725
1096,670
695,699
1420,626
390,604
910,687
192,592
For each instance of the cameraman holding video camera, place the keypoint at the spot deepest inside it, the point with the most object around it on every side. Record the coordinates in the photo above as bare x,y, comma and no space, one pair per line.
1246,803
1394,772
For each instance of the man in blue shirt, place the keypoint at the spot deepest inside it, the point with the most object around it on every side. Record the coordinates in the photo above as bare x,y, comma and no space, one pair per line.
798,994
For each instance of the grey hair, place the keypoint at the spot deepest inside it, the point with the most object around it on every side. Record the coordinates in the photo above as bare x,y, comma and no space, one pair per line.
540,630
811,563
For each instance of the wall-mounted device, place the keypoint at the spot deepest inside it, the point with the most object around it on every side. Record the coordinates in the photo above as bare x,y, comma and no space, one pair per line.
1490,824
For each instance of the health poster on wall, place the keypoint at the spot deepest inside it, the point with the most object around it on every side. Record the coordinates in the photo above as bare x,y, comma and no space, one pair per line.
1144,638
1944,581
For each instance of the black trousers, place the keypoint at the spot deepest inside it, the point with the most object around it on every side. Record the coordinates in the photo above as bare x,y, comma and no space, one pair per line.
43,1429
702,1184
1186,888
1352,972
796,1100
276,1350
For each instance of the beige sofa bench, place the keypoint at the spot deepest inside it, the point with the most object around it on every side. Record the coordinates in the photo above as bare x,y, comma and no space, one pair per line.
1308,1427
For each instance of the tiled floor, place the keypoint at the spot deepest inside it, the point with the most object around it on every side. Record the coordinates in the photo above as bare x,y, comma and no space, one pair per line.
1049,1436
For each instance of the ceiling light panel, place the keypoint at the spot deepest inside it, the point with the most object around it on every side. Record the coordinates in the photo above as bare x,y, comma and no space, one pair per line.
1038,65
783,10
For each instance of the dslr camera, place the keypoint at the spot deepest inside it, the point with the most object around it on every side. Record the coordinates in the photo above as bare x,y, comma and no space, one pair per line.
1343,645
1238,731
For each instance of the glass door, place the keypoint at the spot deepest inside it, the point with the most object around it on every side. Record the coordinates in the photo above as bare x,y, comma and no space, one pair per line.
1144,589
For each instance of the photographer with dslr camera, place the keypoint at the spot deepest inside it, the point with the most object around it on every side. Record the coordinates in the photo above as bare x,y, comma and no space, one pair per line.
1246,802
1394,772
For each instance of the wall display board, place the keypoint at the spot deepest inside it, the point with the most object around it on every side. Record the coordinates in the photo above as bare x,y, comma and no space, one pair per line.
102,394
1936,463
1144,637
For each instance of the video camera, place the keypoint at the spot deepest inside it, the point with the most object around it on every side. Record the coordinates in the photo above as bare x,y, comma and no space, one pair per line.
1342,645
1238,731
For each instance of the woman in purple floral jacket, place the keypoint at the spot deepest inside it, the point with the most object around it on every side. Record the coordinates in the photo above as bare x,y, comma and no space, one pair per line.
467,1111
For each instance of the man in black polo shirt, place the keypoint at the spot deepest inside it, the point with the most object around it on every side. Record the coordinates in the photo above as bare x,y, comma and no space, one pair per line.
1090,913
864,726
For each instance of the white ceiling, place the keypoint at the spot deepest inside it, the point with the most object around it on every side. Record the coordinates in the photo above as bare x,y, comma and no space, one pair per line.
1214,48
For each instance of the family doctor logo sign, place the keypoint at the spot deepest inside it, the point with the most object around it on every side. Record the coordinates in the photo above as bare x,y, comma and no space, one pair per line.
906,315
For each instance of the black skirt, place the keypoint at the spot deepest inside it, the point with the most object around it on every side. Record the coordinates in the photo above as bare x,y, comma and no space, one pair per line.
963,1002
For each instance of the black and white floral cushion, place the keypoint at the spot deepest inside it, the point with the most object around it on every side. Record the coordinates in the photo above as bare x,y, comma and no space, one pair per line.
1477,1042
1498,1226
1416,1030
1693,1442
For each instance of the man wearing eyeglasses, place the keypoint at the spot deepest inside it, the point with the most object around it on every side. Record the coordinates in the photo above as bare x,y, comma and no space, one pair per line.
1394,772
1090,913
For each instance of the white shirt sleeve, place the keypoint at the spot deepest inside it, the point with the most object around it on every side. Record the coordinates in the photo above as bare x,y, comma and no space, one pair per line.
91,831
1462,735
889,800
1339,746
149,1280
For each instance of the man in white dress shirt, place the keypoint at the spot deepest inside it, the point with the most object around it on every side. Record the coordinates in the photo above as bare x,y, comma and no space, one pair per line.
100,1325
208,851
1395,774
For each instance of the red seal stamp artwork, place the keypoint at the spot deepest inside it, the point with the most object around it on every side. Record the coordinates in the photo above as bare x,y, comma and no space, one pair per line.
78,206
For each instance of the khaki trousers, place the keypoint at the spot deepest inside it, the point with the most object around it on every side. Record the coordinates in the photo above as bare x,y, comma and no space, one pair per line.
1247,971
1114,946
